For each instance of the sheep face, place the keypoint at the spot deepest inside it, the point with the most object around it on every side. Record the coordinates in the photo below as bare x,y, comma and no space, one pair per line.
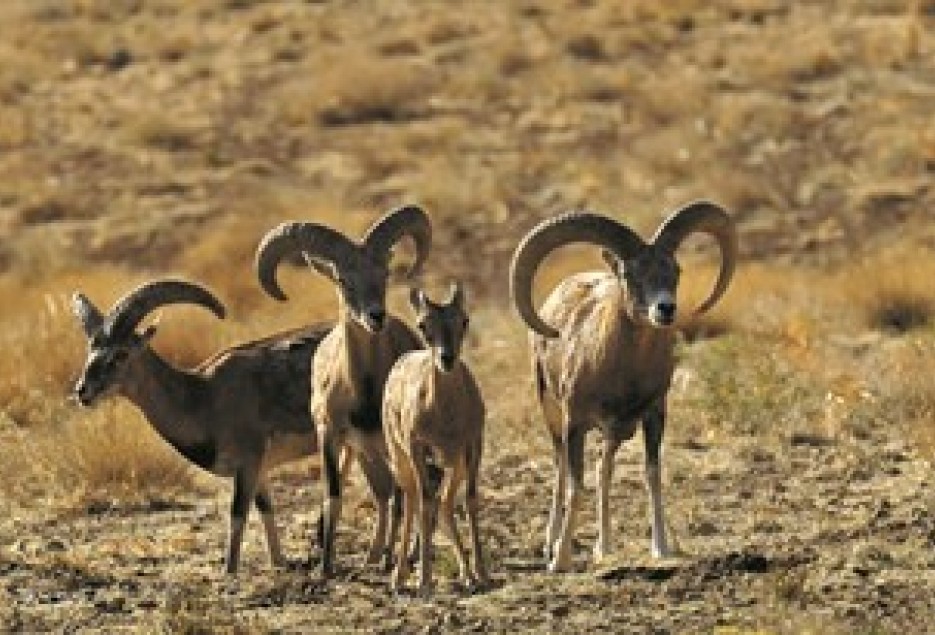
650,279
109,362
442,326
361,283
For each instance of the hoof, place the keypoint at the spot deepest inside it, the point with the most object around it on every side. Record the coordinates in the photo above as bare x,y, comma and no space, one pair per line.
600,554
661,551
559,565
481,582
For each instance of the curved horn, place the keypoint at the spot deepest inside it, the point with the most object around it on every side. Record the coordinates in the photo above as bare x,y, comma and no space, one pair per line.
314,240
406,221
549,235
708,218
130,310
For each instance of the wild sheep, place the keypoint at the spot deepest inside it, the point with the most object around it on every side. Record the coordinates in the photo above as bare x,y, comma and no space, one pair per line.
603,351
433,421
239,414
354,359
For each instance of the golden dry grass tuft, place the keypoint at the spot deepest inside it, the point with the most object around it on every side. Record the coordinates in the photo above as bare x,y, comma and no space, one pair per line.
353,89
44,343
98,457
905,396
161,131
892,291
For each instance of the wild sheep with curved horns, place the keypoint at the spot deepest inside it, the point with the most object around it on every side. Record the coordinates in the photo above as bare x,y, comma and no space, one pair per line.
353,361
239,414
603,351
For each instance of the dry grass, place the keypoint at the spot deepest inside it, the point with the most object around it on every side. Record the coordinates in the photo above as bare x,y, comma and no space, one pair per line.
96,459
893,291
387,90
905,392
43,342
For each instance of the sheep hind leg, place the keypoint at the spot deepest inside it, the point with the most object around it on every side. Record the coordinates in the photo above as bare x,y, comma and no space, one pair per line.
574,456
558,498
401,572
264,504
245,486
447,514
480,568
381,483
396,512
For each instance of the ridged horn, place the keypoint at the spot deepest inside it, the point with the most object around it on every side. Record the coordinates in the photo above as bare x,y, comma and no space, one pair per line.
132,308
708,218
411,221
312,239
549,235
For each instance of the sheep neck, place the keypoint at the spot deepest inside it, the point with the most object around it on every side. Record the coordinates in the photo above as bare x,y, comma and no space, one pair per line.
169,398
360,347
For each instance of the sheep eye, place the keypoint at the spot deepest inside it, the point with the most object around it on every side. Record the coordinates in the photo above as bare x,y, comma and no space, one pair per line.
421,326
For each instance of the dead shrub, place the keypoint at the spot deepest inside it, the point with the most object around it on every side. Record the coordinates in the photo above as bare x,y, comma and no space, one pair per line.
162,132
357,90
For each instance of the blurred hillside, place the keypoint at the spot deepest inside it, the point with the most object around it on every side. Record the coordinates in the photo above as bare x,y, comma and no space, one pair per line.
169,135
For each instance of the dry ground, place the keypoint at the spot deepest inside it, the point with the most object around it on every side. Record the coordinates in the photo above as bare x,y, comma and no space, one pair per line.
144,138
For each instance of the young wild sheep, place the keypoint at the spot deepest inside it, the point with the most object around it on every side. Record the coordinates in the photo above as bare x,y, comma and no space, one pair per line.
603,351
353,361
239,414
433,421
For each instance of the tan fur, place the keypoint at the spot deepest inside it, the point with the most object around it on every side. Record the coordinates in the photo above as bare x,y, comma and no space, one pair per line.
603,350
607,369
433,421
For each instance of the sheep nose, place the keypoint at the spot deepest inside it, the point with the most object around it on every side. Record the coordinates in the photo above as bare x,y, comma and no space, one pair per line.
666,310
81,392
448,360
376,317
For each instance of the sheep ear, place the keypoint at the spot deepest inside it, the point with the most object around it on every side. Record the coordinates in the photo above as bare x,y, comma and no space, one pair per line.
148,333
88,315
324,268
417,299
456,294
612,260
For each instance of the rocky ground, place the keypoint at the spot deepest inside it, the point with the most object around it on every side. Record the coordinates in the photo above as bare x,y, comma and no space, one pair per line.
784,530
